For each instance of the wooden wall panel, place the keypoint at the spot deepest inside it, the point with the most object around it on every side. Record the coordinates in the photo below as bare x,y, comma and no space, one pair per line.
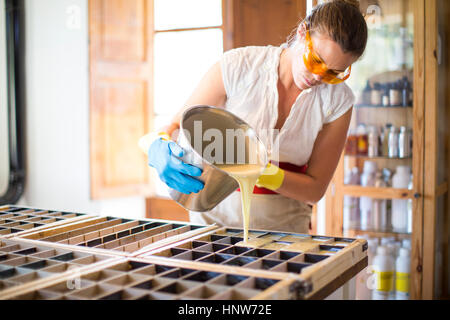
263,22
124,30
121,91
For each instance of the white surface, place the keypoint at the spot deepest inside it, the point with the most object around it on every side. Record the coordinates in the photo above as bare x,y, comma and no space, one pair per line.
58,112
4,152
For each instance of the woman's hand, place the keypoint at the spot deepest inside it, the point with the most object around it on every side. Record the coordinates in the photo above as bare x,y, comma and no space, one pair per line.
163,156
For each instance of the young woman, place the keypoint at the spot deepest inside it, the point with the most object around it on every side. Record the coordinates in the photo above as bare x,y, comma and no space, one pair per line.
296,89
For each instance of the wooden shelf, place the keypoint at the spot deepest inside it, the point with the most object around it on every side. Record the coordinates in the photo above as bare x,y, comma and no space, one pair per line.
376,234
376,158
378,193
383,107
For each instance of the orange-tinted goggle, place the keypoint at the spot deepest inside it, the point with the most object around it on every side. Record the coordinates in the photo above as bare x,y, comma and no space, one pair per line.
315,65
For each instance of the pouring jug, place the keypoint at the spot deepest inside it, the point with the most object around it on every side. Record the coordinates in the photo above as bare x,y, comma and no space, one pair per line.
212,136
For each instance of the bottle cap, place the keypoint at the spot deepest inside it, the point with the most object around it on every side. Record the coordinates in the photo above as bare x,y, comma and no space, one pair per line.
381,250
404,170
403,252
370,167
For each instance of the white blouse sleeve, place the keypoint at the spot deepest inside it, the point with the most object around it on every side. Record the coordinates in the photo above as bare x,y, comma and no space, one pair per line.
341,99
232,65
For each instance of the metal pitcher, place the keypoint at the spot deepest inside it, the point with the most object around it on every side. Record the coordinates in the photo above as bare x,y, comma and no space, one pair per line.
200,130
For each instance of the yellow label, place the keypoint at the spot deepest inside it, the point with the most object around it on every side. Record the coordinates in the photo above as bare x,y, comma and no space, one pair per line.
385,281
402,282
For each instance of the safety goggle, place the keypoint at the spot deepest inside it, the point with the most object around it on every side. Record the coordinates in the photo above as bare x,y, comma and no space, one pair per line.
315,65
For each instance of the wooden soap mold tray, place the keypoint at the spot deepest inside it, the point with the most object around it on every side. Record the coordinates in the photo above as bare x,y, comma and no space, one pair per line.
16,221
117,234
315,259
22,263
151,279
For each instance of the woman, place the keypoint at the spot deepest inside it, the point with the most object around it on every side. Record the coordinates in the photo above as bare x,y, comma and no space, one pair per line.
297,89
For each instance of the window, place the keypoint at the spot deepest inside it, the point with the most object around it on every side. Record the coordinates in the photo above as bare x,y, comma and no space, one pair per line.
188,40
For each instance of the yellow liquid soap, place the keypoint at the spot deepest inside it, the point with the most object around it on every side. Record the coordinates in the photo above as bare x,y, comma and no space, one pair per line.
246,175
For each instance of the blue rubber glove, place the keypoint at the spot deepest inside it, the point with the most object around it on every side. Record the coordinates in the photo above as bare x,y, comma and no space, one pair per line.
162,155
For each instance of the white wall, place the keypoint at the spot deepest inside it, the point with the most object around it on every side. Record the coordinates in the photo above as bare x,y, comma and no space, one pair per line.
4,155
57,65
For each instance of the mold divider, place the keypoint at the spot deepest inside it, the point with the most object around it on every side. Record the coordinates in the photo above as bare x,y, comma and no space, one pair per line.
73,247
46,226
164,244
283,289
40,234
174,240
152,243
57,278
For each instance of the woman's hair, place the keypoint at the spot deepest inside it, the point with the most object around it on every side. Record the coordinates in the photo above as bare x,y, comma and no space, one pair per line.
342,21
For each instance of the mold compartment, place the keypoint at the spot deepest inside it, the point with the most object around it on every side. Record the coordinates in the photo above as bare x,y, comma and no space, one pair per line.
211,247
258,283
204,292
96,291
39,295
126,294
192,255
178,287
240,261
228,279
177,273
32,276
7,273
102,275
236,250
236,294
39,264
291,267
154,283
127,280
264,264
70,285
202,276
216,258
259,253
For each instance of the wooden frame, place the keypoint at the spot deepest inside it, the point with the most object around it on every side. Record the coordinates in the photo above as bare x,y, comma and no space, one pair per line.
317,280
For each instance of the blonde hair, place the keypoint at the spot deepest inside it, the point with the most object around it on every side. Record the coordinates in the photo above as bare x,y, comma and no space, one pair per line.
342,21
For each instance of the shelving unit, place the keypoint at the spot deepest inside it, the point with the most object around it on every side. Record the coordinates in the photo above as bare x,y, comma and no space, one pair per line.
427,118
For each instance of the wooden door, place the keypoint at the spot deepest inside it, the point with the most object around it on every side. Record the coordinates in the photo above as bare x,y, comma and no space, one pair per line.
261,22
121,91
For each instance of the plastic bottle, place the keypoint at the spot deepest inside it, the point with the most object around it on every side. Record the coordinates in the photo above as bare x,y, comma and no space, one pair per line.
406,243
393,143
402,274
361,133
379,214
375,97
366,94
383,267
399,214
373,142
351,204
365,203
385,140
395,95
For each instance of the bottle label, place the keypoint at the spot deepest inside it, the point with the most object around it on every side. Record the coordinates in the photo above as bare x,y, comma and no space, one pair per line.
402,282
384,280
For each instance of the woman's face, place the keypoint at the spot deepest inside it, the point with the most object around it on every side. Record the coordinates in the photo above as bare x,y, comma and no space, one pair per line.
330,53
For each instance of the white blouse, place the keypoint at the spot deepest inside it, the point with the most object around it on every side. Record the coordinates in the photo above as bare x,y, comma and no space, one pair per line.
250,77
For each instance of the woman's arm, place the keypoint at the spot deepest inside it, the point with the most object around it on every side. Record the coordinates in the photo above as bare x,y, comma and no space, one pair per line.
210,91
311,187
